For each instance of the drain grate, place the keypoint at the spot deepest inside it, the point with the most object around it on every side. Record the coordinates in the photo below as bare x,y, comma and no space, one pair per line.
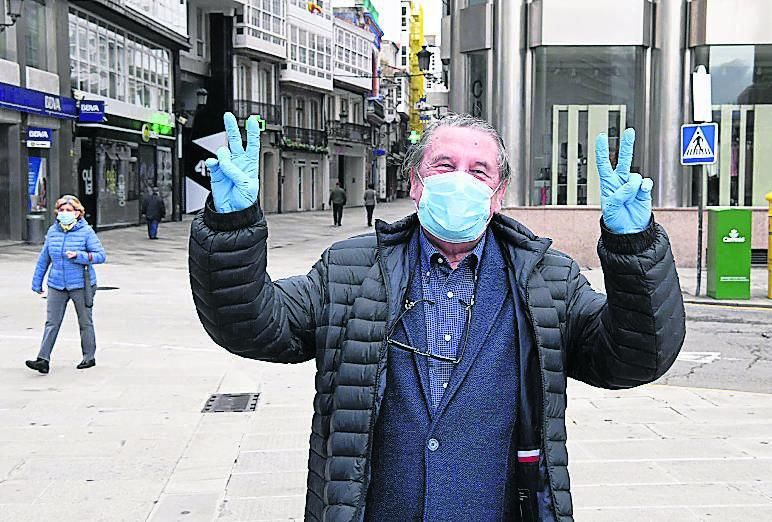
231,402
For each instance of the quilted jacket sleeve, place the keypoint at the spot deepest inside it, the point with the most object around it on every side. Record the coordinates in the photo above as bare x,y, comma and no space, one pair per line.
632,335
239,306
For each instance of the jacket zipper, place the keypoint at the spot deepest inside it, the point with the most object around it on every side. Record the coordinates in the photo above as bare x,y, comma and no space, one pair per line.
363,499
543,396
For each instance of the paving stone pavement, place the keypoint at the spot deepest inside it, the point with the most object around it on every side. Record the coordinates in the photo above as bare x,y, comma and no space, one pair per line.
126,440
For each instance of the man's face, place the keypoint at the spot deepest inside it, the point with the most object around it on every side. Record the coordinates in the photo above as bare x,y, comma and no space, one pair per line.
461,149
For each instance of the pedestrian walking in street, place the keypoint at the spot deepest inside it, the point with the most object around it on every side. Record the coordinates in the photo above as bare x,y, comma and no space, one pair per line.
337,200
443,341
154,210
70,251
369,200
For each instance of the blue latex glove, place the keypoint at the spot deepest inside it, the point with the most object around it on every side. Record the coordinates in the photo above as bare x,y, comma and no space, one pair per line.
625,197
234,174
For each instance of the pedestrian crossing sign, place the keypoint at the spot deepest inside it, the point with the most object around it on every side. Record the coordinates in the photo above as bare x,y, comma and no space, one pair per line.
698,143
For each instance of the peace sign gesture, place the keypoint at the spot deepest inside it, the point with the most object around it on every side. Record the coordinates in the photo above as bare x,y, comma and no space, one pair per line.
625,197
235,171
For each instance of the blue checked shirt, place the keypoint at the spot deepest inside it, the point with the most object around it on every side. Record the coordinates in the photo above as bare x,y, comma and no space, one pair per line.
446,319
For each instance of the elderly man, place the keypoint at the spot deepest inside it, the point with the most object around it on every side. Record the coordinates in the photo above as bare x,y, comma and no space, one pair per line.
443,341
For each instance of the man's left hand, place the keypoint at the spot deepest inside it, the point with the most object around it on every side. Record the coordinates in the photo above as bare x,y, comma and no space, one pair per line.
71,255
625,197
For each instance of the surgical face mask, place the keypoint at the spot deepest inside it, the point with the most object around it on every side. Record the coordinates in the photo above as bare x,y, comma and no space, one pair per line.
66,218
455,206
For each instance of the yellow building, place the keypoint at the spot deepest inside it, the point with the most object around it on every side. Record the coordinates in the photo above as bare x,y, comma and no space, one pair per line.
417,82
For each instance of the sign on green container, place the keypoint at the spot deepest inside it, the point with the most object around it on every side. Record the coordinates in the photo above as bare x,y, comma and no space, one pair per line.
729,253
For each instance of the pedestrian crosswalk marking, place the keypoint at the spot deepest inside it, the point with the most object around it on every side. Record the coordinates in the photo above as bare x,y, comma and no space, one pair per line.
698,146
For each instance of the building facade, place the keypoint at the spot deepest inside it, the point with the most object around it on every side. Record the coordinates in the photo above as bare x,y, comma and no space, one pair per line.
552,74
36,114
393,135
350,133
124,63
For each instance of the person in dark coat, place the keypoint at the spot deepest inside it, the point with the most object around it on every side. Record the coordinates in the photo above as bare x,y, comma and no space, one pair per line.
369,198
154,210
337,200
443,341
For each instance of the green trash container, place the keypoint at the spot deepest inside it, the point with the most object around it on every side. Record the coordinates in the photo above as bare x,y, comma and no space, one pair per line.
729,253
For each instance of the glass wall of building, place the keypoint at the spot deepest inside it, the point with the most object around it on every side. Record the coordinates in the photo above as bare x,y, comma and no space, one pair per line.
264,19
579,92
310,52
34,20
741,84
110,62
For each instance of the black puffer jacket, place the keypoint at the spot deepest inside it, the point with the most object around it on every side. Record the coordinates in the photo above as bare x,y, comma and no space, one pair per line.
337,314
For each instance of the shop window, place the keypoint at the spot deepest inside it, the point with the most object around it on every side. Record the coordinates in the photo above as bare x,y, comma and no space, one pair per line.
37,179
741,85
118,182
580,92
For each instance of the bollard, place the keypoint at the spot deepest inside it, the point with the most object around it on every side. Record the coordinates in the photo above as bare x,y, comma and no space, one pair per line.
769,248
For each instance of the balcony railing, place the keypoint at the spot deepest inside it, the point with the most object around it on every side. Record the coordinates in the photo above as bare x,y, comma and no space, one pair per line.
302,138
243,109
349,132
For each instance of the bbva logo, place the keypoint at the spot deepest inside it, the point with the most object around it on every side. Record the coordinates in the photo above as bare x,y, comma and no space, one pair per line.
53,104
38,134
89,107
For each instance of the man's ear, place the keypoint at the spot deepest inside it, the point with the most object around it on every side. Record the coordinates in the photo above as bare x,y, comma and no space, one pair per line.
498,197
416,188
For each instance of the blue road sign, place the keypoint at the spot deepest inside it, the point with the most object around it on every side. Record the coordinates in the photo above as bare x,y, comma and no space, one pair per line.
698,143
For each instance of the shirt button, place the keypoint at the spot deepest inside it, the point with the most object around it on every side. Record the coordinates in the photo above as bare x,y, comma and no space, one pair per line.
440,260
448,337
433,444
444,385
450,295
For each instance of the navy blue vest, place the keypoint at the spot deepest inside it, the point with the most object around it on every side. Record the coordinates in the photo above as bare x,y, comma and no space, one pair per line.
455,463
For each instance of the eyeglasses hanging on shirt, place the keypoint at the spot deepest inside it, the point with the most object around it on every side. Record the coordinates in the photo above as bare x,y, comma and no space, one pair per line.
410,305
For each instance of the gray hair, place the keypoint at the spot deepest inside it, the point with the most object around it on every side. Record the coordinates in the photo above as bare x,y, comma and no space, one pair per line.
416,153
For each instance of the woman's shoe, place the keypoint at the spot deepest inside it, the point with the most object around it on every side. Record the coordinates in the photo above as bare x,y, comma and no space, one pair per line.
39,364
86,364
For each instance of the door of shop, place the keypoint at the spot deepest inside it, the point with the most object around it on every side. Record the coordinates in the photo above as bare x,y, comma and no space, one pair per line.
574,179
743,172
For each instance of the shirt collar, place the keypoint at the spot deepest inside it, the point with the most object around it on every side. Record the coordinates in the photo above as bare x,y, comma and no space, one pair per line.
430,253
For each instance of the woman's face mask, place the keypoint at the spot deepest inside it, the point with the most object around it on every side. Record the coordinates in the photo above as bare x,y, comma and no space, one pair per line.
66,217
455,206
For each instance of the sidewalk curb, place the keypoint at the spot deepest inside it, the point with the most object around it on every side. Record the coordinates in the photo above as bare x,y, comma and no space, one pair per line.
736,304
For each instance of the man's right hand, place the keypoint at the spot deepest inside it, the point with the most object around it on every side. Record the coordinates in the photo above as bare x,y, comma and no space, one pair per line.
234,174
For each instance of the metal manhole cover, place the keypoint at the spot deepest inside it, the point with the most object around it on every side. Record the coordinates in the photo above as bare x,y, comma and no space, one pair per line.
231,402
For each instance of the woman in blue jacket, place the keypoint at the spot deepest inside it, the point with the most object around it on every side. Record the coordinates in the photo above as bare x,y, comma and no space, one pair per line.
71,246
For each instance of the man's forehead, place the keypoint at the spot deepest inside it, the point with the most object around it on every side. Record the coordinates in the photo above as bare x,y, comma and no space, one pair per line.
452,142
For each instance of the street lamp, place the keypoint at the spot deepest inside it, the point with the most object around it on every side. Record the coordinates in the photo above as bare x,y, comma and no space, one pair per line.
202,95
13,12
424,59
